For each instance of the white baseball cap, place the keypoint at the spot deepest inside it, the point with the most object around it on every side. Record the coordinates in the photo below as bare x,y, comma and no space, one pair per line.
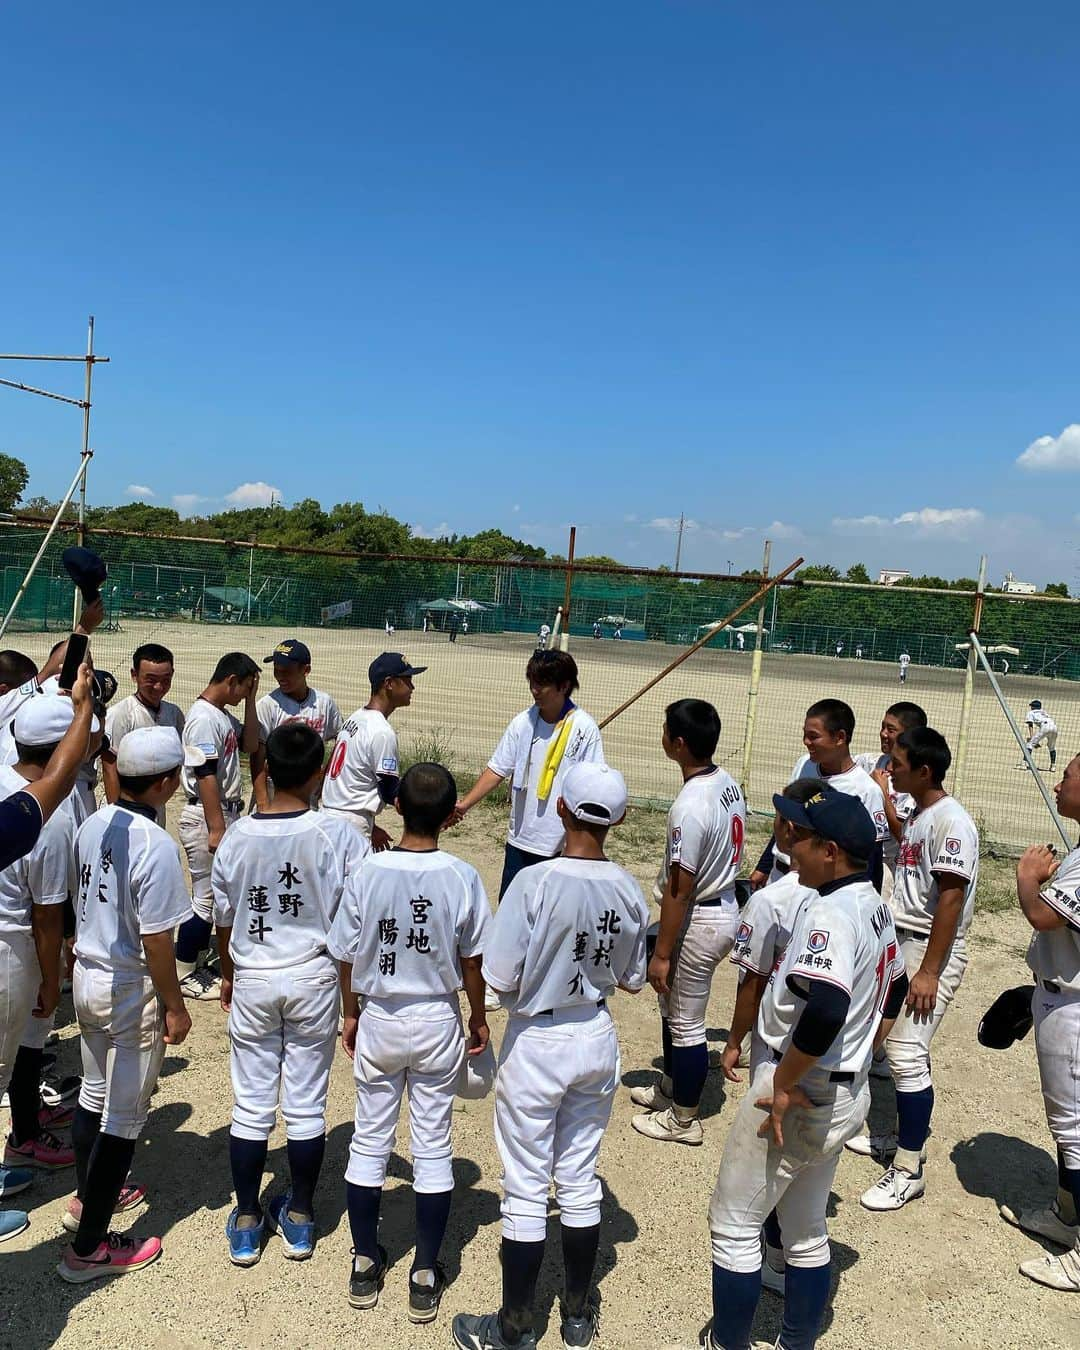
43,720
476,1075
149,750
595,793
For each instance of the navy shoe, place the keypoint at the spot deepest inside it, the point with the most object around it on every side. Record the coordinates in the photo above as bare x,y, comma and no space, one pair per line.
298,1239
365,1284
245,1244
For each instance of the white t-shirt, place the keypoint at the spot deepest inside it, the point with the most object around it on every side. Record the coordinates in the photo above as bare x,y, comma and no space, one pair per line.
903,803
217,734
10,703
943,838
846,938
132,714
316,710
766,924
706,829
131,885
278,881
45,875
404,921
1054,955
566,933
366,749
535,826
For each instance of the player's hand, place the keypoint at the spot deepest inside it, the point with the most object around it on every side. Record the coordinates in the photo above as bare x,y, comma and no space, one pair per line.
215,836
92,617
1037,864
177,1026
778,1106
758,879
380,840
729,1062
456,816
922,994
659,974
82,691
881,778
48,996
479,1034
348,1035
226,994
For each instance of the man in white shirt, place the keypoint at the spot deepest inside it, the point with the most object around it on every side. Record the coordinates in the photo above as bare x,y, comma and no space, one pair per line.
363,774
152,675
294,700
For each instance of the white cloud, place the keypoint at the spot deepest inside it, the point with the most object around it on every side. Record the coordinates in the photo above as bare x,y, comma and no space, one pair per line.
1054,452
670,524
929,518
737,534
778,530
440,531
253,494
186,502
138,490
859,522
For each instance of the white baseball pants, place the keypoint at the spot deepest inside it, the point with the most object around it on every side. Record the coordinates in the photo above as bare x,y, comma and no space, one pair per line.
553,1095
195,841
36,1029
20,976
283,1029
908,1044
361,821
123,1045
87,793
708,938
756,1177
1057,1044
406,1045
1044,736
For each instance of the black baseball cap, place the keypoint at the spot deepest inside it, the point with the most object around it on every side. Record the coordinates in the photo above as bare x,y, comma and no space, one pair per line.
87,571
389,666
833,815
1009,1018
290,650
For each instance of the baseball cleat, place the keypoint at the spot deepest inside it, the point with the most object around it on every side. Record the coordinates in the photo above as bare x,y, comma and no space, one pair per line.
579,1332
1044,1223
893,1190
131,1197
471,1332
668,1128
56,1091
201,984
426,1294
297,1235
13,1180
773,1280
117,1255
652,1098
366,1279
245,1244
46,1151
1056,1272
12,1223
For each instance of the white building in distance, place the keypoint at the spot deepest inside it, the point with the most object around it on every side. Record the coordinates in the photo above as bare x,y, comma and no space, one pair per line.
889,576
1014,587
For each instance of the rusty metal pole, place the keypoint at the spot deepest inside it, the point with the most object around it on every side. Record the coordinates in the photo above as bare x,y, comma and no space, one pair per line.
564,640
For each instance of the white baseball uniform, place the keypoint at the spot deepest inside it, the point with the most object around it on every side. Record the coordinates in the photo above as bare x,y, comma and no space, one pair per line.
278,882
856,782
217,734
404,923
131,886
566,933
366,749
706,828
10,703
1042,729
1054,957
316,710
845,938
132,714
520,756
905,661
940,839
903,803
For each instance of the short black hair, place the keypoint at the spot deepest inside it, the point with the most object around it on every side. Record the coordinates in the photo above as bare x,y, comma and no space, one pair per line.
835,715
138,784
15,669
38,755
426,795
908,715
551,669
802,789
294,754
237,664
697,723
926,748
153,652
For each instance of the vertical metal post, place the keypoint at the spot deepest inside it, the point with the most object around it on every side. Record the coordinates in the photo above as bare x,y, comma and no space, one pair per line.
755,679
564,641
251,564
960,774
85,454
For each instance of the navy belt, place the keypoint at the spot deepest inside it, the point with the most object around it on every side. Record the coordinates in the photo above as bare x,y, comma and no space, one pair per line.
836,1077
1050,986
550,1012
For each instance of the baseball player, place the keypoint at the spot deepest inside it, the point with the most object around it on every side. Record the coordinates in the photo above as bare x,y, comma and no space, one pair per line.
213,786
363,774
127,994
597,631
1049,894
933,901
152,676
900,717
542,637
410,932
839,650
740,641
905,661
706,827
568,932
278,877
858,651
294,700
1041,728
839,984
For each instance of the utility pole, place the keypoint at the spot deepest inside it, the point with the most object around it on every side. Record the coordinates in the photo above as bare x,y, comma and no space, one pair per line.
678,544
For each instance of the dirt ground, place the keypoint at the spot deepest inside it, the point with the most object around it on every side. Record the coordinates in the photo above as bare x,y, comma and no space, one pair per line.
941,1273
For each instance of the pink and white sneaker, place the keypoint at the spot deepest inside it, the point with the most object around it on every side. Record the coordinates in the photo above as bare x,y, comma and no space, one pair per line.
46,1151
55,1117
131,1197
117,1255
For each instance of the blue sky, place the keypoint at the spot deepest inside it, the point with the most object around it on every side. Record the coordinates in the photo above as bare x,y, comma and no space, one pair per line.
806,270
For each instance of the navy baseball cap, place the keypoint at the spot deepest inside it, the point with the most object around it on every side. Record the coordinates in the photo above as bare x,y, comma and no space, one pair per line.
833,815
87,571
290,650
391,665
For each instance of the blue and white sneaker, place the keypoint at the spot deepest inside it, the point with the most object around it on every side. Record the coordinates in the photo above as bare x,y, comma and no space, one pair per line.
13,1180
12,1223
298,1239
245,1244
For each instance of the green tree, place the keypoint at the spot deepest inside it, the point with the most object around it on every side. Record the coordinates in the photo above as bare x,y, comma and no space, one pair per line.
1057,588
819,572
14,477
857,572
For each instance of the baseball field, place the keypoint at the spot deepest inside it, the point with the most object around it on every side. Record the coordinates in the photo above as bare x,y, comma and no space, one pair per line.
941,1273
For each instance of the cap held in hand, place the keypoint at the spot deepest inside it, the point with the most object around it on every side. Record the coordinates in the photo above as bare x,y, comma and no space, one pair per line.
87,570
